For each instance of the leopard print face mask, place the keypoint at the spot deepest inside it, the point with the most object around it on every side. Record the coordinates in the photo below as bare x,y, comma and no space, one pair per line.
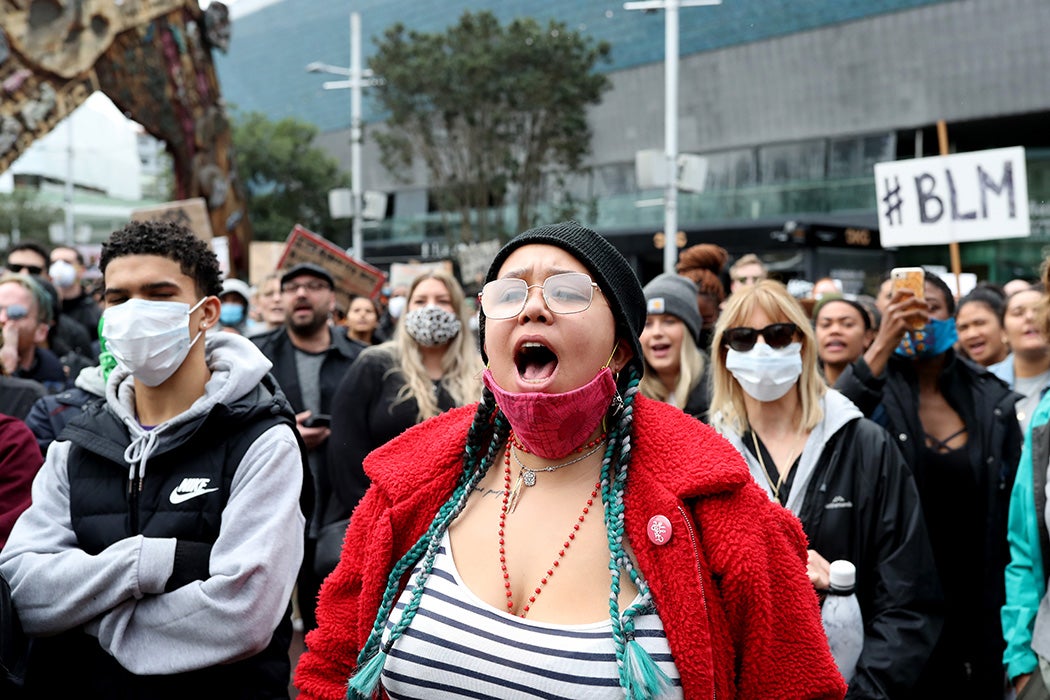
432,325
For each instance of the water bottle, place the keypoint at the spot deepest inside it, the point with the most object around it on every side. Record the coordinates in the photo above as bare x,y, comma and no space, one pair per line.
842,619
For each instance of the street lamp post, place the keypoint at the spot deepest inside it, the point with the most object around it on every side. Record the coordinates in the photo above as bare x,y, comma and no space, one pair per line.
670,115
356,78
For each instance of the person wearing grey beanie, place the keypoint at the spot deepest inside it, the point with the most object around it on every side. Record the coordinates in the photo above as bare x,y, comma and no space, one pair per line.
558,494
675,368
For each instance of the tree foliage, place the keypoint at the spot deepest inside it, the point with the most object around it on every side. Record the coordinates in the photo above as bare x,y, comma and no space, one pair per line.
490,109
23,216
286,178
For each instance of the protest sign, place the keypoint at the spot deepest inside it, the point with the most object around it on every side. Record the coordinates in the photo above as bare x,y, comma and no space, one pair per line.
975,196
264,258
191,213
402,274
351,276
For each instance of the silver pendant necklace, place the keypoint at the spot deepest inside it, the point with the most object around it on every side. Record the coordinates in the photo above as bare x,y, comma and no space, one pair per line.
527,476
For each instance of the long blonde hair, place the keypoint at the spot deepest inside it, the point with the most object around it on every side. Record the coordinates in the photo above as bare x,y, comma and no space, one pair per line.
690,371
460,365
728,411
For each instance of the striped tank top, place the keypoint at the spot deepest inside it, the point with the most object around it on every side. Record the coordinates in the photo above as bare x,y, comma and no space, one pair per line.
458,646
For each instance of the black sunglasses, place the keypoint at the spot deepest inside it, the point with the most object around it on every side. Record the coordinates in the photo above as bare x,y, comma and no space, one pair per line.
31,269
777,335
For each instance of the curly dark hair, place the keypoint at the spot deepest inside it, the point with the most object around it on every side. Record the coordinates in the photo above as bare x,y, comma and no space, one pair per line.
168,240
703,264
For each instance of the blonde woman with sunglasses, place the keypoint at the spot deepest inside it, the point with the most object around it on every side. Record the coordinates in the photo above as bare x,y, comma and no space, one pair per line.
814,452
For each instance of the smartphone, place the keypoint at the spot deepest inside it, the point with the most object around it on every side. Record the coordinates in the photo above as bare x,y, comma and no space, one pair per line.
910,278
318,421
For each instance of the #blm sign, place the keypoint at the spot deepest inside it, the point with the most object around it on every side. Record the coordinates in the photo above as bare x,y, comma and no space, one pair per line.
974,196
351,276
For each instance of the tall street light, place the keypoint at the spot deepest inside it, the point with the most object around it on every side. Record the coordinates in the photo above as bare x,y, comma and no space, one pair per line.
356,78
670,115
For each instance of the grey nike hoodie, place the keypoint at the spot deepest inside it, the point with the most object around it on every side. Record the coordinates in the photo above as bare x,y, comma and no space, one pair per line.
118,595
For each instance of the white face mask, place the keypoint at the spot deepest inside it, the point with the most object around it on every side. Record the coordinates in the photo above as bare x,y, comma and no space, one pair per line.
396,306
764,373
62,274
150,338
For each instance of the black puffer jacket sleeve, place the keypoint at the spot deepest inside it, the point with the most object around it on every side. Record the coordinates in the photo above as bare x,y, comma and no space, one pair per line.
860,386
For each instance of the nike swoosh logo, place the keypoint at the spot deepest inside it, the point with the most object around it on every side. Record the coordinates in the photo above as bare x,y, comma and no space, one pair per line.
177,497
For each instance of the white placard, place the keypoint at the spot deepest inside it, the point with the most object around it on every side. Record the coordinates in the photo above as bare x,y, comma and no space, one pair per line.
340,203
975,196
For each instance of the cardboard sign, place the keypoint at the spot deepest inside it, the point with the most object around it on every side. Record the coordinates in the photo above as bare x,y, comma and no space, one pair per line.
351,276
974,196
474,261
264,258
191,213
402,274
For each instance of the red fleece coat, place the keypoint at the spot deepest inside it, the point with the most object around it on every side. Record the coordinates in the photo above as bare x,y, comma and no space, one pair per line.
20,460
730,586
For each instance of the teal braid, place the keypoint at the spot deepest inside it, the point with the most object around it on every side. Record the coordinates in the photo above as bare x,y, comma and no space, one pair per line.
459,499
612,498
640,677
488,425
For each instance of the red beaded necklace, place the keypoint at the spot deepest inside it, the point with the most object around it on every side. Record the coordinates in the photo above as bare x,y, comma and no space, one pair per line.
565,545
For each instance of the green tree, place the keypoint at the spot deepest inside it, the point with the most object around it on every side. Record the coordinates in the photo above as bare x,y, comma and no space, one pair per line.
286,178
23,216
490,110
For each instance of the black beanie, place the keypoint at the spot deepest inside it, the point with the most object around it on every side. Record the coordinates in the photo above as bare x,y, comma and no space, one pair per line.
609,269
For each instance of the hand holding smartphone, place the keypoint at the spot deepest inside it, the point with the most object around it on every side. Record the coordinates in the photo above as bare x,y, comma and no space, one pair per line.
318,421
914,280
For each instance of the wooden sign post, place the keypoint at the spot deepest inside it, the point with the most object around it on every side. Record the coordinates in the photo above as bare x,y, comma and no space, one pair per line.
953,246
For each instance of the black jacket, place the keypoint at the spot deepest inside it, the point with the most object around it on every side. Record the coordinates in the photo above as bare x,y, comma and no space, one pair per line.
366,414
986,406
862,505
48,416
698,403
859,503
278,348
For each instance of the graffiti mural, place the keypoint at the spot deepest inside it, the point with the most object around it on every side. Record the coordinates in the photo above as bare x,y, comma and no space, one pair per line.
153,59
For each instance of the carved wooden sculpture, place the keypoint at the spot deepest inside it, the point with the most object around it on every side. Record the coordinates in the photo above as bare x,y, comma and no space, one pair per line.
153,59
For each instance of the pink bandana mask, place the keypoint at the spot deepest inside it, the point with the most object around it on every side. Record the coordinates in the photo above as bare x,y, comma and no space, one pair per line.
553,425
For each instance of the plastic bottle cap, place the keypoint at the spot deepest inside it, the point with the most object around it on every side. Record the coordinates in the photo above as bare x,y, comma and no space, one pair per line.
843,574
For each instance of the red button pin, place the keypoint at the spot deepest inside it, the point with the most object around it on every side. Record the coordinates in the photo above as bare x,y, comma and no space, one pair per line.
659,529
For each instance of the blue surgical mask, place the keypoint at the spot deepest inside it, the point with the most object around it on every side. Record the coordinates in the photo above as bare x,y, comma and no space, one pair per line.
932,340
231,314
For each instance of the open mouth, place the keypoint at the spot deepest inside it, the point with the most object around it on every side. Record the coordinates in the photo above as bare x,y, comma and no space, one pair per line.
660,349
975,348
535,362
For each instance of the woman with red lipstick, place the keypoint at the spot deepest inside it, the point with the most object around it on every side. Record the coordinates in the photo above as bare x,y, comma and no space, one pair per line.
566,537
812,450
675,368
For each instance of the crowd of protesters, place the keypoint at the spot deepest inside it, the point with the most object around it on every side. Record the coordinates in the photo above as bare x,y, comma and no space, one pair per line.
191,468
